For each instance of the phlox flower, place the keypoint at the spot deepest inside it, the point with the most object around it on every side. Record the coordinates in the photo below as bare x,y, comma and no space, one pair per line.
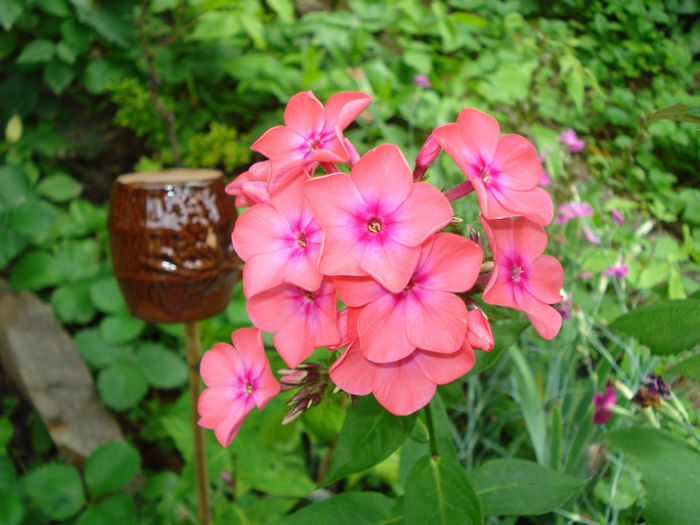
375,220
238,378
603,402
426,314
618,270
279,241
570,138
523,278
250,187
422,80
301,320
311,132
590,235
504,170
406,385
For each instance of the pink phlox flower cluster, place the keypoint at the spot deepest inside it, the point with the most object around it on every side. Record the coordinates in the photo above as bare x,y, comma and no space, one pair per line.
371,239
570,138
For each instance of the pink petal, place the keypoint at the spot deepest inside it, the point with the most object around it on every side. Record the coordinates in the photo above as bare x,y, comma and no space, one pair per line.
280,143
290,202
304,114
226,431
546,320
382,331
283,172
390,263
269,310
509,237
342,108
479,334
435,320
516,159
263,272
534,204
249,347
499,290
352,372
383,178
214,405
357,291
401,387
450,139
334,200
445,368
266,387
259,229
425,211
332,151
294,341
479,132
340,253
545,277
219,365
448,262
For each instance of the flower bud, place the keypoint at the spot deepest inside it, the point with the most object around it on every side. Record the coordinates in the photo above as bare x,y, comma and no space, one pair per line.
479,332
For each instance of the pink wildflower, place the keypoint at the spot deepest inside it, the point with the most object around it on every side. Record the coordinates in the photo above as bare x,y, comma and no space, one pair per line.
301,320
422,80
238,377
603,402
590,235
504,170
280,242
618,270
617,217
375,220
570,138
573,210
523,278
426,313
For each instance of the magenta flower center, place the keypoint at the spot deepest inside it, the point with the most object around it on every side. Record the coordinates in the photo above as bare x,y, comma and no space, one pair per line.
374,225
516,273
301,239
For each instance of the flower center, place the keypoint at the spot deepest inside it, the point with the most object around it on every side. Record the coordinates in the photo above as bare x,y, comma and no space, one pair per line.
374,225
248,388
309,296
314,143
516,273
485,174
301,239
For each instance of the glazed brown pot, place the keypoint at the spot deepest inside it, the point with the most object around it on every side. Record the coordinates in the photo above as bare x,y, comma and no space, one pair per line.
170,233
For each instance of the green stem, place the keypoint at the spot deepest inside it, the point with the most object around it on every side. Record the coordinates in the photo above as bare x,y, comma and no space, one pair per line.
431,431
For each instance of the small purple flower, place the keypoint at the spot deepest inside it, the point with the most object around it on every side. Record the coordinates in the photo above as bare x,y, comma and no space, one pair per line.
570,138
619,270
422,80
573,210
657,386
590,235
545,180
603,402
564,307
617,217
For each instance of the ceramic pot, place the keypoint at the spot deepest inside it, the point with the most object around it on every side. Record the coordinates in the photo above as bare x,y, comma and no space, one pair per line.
170,233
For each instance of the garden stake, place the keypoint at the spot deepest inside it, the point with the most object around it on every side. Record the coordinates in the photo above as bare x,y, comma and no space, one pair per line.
194,351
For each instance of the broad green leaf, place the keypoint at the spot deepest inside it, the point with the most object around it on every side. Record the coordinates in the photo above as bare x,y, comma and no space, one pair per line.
575,87
160,484
348,508
11,508
122,386
162,367
37,51
34,218
669,468
506,333
680,112
57,489
9,12
369,435
515,487
59,187
107,296
119,508
666,328
110,467
284,9
34,271
8,475
14,186
86,251
71,303
689,367
120,329
530,403
58,76
8,42
438,492
99,76
95,350
6,431
57,8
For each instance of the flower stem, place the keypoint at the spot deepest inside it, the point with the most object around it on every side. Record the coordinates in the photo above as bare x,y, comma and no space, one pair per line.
431,431
459,191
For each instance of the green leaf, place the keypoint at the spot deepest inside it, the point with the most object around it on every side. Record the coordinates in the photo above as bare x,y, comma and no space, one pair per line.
8,41
115,509
438,492
348,508
86,251
669,468
14,188
58,76
71,303
121,329
284,9
57,8
34,217
9,12
369,435
689,367
575,88
34,271
110,467
122,386
11,508
6,431
160,484
107,296
507,332
515,487
57,489
59,187
666,328
680,112
99,76
95,350
162,367
37,51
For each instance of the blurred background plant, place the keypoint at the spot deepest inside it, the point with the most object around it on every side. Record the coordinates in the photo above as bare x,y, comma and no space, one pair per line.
91,90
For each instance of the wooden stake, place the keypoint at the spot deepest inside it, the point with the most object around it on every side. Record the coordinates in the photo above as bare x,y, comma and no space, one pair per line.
194,351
